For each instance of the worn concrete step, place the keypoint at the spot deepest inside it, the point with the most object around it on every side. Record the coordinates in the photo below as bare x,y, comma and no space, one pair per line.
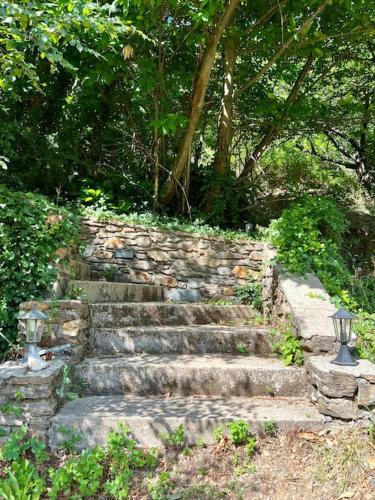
106,291
94,417
108,315
182,339
188,375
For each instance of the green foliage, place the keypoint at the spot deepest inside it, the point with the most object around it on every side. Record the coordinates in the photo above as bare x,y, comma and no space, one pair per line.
270,428
251,293
10,409
71,438
242,349
31,230
239,432
289,349
20,446
200,443
364,328
175,439
218,434
80,475
22,482
197,226
158,487
308,237
109,273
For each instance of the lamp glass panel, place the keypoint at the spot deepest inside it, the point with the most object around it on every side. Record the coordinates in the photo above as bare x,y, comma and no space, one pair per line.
337,329
33,330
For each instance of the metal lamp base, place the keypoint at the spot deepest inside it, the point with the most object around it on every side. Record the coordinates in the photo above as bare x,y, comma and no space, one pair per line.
345,357
33,360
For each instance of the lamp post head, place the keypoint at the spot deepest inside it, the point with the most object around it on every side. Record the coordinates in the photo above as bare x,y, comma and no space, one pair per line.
33,320
343,324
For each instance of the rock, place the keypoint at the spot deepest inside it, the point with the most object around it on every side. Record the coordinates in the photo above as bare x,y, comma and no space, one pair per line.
331,381
143,241
183,295
115,243
159,256
124,254
255,255
224,271
140,277
366,393
345,409
240,272
143,265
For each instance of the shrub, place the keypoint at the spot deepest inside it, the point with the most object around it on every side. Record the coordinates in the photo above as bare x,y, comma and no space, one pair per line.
308,237
31,230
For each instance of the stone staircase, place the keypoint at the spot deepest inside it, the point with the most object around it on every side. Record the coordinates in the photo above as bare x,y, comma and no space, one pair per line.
155,365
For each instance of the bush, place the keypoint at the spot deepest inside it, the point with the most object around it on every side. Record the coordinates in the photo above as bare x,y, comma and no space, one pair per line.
308,237
31,230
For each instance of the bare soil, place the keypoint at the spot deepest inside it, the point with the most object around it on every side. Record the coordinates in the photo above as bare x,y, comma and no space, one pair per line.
307,465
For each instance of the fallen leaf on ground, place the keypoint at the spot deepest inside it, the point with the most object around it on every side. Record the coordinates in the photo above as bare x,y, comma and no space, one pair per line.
308,436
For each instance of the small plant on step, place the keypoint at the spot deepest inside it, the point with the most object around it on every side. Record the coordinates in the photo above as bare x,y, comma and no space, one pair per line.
174,439
270,428
270,391
242,349
251,293
200,443
109,273
289,349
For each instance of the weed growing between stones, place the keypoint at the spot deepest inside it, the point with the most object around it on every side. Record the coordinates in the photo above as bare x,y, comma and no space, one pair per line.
289,348
270,428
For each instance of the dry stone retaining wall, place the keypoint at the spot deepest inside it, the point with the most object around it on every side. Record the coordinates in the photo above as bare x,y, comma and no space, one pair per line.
211,266
342,391
31,398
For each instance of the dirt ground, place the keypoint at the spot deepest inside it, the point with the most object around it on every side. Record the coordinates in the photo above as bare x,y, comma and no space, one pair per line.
306,465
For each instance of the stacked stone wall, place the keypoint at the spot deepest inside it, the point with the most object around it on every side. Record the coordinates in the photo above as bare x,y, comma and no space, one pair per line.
211,265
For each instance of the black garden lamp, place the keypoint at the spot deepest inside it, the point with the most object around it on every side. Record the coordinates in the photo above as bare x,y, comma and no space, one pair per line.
33,321
343,323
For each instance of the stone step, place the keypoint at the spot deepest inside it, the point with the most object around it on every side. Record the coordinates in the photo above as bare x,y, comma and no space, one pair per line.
189,375
182,339
93,418
109,315
107,291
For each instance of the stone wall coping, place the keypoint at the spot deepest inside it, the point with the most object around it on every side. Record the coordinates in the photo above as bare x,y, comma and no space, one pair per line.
365,369
154,229
15,373
48,304
309,303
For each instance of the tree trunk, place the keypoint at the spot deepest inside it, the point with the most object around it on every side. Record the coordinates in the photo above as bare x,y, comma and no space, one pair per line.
274,129
225,129
197,102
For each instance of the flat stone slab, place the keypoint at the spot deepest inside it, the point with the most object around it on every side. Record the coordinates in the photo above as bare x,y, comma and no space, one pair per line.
14,373
311,308
93,417
208,374
365,369
106,291
182,339
107,315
